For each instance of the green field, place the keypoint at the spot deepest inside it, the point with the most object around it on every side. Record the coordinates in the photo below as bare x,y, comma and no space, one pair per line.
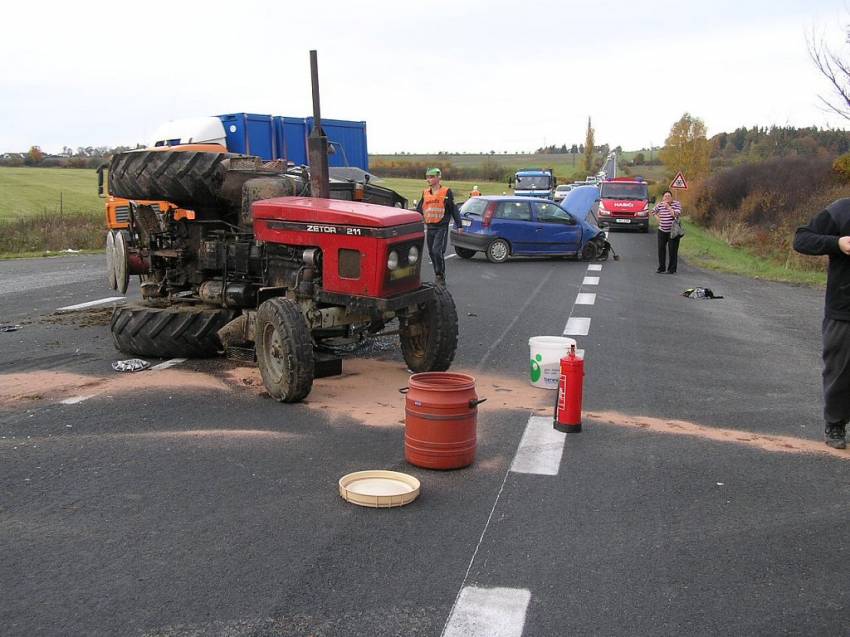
559,163
25,192
412,188
566,167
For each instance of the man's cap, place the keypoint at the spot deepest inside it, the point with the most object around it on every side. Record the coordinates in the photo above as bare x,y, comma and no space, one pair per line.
475,188
433,171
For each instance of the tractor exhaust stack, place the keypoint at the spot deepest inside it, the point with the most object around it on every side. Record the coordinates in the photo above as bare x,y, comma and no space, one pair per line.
317,143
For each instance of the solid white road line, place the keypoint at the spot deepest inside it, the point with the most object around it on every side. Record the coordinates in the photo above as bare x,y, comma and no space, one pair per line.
81,306
595,267
577,326
489,612
585,298
451,256
590,280
75,400
169,363
540,449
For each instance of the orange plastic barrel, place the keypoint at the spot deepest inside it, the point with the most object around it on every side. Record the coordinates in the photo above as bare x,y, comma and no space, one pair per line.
441,418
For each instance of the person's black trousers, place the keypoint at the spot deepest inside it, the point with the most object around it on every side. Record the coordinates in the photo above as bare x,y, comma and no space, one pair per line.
836,371
665,244
437,236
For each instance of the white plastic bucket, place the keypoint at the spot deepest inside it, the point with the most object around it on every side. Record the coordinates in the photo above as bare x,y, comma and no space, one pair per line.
545,364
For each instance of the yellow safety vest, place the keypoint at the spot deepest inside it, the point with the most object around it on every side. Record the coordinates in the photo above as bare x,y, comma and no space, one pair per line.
434,205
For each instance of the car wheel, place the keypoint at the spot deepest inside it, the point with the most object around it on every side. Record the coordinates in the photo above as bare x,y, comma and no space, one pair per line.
464,253
498,251
590,251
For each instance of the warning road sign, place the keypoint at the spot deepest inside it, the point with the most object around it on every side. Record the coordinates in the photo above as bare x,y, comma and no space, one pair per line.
679,181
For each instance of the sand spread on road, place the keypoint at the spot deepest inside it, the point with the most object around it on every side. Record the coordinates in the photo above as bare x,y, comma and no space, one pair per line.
367,391
49,385
773,444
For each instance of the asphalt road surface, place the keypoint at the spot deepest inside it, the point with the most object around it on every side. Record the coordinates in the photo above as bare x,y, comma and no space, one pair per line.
698,499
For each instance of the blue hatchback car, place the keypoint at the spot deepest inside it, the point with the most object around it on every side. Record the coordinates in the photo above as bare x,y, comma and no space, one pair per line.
501,227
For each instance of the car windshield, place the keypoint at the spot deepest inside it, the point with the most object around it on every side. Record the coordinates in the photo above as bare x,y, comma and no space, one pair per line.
474,206
614,190
563,188
532,183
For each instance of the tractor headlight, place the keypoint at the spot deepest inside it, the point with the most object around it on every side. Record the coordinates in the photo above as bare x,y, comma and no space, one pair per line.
413,255
392,260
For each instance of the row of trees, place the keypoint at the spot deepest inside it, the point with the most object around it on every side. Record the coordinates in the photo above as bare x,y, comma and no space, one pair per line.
82,157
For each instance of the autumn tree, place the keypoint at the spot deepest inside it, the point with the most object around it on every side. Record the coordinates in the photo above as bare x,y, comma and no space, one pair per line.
836,69
34,156
588,147
687,148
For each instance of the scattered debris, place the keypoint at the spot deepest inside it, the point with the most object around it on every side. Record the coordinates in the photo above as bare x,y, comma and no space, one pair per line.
700,293
471,314
9,328
130,365
93,317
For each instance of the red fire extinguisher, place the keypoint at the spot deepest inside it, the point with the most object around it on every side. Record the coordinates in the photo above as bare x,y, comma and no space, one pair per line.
568,407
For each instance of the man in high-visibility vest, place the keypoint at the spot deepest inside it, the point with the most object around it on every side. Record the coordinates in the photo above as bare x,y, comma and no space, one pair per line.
437,206
475,192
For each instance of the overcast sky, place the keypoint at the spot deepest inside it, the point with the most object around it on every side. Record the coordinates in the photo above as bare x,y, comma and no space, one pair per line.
426,76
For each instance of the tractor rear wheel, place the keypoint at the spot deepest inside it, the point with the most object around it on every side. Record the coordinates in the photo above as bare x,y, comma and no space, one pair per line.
284,350
186,178
168,332
429,337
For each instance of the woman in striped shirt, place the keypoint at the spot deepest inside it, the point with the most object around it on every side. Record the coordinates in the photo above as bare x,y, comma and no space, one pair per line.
667,211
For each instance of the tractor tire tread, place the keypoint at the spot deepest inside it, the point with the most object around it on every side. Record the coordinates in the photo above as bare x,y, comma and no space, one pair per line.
286,315
186,178
163,332
440,316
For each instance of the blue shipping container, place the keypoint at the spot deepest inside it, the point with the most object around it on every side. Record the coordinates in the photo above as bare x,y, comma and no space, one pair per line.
275,137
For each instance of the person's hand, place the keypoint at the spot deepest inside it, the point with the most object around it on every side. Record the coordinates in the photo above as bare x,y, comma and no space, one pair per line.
844,244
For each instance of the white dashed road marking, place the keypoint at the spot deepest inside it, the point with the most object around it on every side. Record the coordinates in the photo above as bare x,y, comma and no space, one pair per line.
590,280
82,306
577,326
585,298
169,363
489,612
595,267
540,449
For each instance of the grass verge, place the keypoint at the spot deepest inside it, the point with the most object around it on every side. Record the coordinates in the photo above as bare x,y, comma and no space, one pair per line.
45,233
705,249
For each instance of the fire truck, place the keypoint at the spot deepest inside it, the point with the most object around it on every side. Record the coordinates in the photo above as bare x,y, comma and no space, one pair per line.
624,203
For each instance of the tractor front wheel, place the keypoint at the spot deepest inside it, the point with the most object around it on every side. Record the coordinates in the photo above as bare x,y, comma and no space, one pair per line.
284,350
429,336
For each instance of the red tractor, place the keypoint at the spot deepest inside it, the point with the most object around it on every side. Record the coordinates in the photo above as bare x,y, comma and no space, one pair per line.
263,267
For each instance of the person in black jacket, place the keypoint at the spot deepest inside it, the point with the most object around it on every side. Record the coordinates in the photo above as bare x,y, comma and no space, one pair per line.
437,206
829,233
